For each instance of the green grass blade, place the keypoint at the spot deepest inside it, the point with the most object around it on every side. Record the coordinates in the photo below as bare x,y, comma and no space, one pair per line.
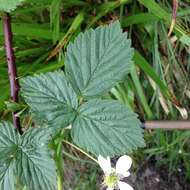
158,11
144,65
103,9
138,19
55,19
30,30
140,93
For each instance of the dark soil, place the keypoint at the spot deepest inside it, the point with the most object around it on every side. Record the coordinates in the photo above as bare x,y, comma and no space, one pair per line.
153,178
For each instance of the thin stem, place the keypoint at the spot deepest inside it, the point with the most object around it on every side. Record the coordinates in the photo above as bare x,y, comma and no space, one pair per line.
60,163
14,85
82,151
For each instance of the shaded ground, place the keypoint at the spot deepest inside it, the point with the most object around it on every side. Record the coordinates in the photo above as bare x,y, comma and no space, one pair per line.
84,176
148,177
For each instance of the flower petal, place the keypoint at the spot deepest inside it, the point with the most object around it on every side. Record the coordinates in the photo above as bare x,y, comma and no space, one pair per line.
109,188
124,186
123,164
105,164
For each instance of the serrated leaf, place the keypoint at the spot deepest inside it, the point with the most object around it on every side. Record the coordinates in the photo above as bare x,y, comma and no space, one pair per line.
50,97
98,59
9,5
27,158
35,168
107,128
7,176
8,146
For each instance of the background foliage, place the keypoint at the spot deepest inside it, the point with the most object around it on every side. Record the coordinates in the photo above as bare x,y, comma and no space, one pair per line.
157,85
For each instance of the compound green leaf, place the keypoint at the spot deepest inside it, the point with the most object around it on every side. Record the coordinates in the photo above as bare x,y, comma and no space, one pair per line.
9,5
8,146
50,97
107,128
27,158
98,59
35,166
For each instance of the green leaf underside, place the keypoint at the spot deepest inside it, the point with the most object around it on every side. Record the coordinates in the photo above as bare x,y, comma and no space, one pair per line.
50,97
107,128
29,160
9,5
98,59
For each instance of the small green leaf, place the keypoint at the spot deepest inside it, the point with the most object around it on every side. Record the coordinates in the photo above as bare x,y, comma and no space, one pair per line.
107,127
9,5
14,106
50,97
98,59
27,158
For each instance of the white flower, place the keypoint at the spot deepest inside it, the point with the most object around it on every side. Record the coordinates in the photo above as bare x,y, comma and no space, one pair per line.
114,175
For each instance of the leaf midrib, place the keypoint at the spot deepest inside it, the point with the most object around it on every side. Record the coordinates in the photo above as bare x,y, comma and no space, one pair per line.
98,65
53,97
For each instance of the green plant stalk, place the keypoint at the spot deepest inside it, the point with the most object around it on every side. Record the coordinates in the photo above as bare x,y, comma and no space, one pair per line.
59,164
82,151
121,13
